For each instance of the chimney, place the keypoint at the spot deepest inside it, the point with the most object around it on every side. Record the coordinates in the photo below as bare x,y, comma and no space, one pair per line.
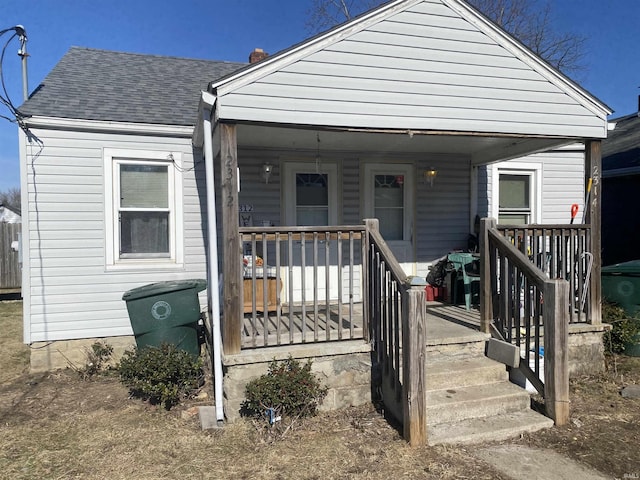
257,55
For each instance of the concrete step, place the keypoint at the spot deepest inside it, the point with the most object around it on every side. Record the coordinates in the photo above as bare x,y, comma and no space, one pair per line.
462,403
493,428
455,371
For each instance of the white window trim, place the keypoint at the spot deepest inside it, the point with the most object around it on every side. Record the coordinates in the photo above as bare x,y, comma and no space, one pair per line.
114,157
518,168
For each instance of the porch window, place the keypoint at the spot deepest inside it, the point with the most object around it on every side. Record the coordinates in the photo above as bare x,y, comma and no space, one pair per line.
143,192
515,199
389,205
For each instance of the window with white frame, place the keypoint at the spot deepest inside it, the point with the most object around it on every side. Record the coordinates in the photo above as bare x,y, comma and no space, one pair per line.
142,205
517,194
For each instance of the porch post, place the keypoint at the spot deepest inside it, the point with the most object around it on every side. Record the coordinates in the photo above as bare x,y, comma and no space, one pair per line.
556,350
232,268
414,361
486,300
593,171
371,224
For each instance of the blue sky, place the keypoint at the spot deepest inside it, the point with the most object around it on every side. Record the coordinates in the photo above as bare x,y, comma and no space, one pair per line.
230,29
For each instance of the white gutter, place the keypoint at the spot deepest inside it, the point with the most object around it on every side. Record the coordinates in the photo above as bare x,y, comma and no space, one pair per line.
208,103
108,126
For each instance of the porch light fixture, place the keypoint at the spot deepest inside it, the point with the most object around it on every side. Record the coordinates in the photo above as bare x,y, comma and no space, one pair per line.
267,169
430,175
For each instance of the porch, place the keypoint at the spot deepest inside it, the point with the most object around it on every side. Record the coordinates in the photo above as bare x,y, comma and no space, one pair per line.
364,320
350,125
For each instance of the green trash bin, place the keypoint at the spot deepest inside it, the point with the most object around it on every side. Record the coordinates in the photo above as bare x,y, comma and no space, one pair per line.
621,285
166,312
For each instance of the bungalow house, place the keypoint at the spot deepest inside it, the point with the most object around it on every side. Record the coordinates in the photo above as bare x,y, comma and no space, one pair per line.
418,116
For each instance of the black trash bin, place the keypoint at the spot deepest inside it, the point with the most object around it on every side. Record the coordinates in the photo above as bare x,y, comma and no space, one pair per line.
166,312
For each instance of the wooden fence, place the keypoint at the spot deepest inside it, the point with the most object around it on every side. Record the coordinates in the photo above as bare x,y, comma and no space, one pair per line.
10,268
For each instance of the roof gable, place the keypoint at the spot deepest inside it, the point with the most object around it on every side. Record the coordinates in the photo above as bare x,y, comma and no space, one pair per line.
418,64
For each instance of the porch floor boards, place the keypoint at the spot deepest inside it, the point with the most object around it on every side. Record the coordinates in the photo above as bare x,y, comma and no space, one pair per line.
291,327
287,328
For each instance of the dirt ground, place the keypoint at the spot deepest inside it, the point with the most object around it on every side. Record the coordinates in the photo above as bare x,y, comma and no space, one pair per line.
58,426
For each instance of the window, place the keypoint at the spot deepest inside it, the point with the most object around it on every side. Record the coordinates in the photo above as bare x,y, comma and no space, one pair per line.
312,199
142,195
515,199
310,193
517,193
388,201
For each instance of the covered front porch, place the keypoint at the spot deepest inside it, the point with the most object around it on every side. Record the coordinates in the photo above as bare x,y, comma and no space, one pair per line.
340,170
341,285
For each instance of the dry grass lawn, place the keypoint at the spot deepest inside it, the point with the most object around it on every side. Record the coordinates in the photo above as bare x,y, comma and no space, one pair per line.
57,426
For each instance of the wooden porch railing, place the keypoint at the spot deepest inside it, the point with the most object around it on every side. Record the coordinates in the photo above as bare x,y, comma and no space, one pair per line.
301,285
278,307
529,310
560,251
398,333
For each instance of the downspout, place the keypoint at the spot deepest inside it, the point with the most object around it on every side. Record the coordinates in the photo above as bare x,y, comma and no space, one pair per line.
212,269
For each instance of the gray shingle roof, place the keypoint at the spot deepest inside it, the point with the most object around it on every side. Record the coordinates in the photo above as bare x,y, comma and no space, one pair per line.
621,148
94,84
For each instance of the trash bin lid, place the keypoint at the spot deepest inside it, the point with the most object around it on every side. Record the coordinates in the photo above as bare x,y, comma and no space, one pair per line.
631,268
160,288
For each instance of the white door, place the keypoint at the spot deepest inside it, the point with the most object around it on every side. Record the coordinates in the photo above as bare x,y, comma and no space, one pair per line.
388,195
311,199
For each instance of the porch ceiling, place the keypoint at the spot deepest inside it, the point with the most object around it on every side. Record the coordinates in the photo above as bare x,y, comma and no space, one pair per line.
481,149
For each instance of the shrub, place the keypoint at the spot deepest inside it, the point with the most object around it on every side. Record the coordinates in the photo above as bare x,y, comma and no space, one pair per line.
288,389
623,328
161,375
96,361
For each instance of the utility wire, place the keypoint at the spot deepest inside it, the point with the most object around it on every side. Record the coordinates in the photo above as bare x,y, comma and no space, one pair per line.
15,115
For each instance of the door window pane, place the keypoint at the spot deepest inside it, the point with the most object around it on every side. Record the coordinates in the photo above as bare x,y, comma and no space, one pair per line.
312,199
388,200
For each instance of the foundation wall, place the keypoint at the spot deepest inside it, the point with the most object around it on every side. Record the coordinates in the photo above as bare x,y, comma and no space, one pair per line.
345,368
586,350
47,356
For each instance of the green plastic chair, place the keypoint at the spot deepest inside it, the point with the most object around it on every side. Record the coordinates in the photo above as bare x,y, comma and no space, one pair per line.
460,262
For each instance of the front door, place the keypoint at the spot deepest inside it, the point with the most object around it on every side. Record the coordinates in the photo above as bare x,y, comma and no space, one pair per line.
310,198
388,195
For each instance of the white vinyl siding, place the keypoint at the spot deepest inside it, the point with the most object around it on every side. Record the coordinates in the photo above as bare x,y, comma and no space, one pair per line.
423,68
561,185
68,292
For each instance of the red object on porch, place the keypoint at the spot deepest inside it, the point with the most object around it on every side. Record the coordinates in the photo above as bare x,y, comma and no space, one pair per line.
429,292
435,293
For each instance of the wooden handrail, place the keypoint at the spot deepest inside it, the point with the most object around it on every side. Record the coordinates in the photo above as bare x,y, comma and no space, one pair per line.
525,286
400,342
311,229
390,259
518,258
